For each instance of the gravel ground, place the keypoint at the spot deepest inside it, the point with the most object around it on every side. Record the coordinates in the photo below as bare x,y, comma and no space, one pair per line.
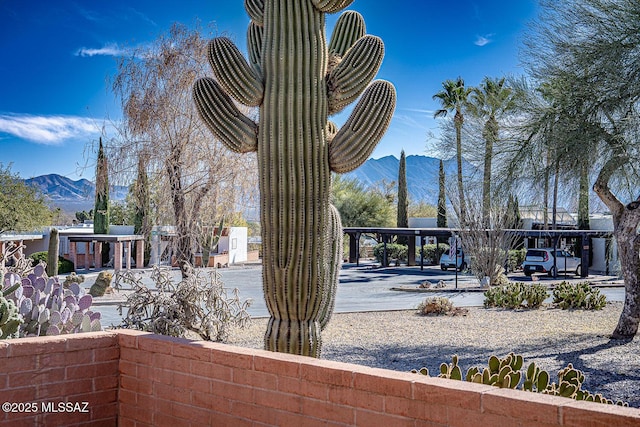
403,340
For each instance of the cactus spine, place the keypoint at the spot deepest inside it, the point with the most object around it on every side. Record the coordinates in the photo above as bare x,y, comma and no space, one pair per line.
53,253
298,81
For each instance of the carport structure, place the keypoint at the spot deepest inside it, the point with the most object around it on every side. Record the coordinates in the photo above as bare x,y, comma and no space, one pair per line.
385,235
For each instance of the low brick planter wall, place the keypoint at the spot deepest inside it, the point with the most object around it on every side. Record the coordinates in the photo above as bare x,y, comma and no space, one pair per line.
132,378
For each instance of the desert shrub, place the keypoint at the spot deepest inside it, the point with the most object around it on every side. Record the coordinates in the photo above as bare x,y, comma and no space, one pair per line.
64,265
432,253
516,258
197,305
578,296
516,295
394,251
437,306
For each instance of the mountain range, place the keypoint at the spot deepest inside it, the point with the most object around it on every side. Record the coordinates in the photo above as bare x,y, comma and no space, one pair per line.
70,195
422,181
422,174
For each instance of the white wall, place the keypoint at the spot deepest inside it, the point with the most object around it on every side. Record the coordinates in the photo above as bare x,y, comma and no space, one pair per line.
235,244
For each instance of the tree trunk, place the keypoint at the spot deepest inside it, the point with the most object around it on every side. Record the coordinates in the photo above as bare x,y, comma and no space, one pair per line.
490,134
628,247
183,242
545,213
458,121
554,212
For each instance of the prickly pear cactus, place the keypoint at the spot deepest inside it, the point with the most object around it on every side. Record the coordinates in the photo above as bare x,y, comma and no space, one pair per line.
298,81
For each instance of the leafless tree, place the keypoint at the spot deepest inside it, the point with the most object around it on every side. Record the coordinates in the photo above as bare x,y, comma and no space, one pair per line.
193,179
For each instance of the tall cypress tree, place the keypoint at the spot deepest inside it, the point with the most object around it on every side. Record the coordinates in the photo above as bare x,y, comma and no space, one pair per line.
442,200
142,220
101,208
403,197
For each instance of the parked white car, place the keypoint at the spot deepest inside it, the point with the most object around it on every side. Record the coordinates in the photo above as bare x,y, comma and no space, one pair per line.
541,260
447,261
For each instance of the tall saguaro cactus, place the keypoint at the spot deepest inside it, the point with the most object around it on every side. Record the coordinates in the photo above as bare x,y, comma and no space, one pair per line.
298,81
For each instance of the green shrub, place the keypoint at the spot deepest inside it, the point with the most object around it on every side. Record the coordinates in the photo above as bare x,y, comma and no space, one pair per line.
579,296
394,251
516,295
432,253
516,258
64,265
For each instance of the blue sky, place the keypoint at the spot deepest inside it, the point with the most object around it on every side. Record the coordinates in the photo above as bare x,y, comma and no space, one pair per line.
58,55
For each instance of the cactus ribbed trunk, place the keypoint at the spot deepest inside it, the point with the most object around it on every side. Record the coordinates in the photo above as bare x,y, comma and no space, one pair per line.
292,153
298,81
53,253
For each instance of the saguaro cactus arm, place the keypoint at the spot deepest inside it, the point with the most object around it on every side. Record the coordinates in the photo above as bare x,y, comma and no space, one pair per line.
254,46
366,125
348,30
238,132
234,74
255,10
331,6
356,70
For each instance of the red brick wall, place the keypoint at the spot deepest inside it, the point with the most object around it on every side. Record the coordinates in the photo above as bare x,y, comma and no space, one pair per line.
39,373
168,381
131,378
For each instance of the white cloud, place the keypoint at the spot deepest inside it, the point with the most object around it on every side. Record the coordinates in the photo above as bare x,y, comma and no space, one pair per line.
110,49
483,40
48,130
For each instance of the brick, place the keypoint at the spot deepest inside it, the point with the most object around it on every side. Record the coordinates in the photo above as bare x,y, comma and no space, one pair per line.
172,363
526,406
37,345
193,351
65,418
23,394
440,391
22,379
210,370
328,411
597,414
128,397
171,393
404,407
136,413
55,390
20,364
326,374
254,412
93,370
381,382
255,379
105,354
303,388
284,401
218,419
79,357
51,360
106,382
368,418
233,391
281,365
136,385
211,402
126,367
105,422
4,349
356,398
459,417
134,355
128,338
232,356
192,414
91,340
159,344
189,382
287,419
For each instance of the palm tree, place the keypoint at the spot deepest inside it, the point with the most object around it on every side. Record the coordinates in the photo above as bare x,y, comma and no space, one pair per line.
454,97
489,101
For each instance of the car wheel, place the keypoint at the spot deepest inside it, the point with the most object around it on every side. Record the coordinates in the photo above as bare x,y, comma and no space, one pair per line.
463,266
552,272
443,267
579,270
527,273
